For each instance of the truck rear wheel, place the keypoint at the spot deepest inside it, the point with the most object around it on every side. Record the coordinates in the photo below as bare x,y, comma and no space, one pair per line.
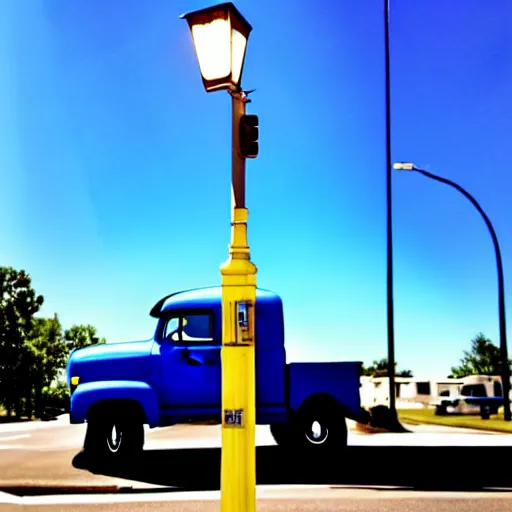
113,433
282,433
321,427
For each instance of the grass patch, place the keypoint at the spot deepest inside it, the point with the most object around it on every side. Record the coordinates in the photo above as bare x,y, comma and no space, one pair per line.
427,416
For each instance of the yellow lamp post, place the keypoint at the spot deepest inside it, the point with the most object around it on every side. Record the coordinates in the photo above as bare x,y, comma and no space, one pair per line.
220,35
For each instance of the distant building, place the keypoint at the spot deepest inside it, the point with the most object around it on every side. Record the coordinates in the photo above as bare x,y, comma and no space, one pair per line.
413,393
410,392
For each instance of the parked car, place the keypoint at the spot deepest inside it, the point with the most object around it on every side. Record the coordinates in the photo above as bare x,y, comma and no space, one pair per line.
484,398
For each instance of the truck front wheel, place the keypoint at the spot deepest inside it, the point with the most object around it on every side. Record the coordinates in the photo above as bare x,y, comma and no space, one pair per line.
113,435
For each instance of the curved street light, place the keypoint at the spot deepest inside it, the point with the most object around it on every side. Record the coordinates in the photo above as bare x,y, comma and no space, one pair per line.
505,370
389,221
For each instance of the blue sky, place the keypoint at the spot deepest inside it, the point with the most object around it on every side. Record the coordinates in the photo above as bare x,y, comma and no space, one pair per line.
115,166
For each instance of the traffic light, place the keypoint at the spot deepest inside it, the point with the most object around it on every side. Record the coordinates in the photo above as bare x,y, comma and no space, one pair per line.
249,133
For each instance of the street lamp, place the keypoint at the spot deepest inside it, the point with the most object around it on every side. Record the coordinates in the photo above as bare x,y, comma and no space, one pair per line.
505,370
220,35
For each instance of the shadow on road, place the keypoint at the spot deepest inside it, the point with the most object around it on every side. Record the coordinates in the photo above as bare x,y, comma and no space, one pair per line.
419,468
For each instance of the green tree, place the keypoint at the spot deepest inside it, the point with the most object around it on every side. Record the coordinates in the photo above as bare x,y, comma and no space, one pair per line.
46,354
380,369
18,304
56,396
482,359
79,336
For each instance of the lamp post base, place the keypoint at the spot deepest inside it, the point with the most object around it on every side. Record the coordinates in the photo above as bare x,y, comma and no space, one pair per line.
238,466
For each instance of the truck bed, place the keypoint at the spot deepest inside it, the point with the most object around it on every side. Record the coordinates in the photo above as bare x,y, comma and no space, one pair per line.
339,380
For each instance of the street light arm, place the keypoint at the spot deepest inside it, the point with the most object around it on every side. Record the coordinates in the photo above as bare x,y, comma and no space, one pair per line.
505,370
476,205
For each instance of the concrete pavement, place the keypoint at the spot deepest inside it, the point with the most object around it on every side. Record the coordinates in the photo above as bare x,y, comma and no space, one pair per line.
184,458
327,505
60,435
288,499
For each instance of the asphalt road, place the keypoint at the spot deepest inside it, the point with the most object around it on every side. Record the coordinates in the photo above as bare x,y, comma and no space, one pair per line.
431,468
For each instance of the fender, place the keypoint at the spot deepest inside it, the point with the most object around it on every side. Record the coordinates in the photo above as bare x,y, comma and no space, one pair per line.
89,393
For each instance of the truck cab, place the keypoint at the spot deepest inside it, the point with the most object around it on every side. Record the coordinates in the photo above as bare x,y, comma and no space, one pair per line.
175,377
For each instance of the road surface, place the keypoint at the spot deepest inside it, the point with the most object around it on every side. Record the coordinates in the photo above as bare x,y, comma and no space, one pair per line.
41,466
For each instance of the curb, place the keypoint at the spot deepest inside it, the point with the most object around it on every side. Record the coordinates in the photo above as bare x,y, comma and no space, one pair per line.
21,491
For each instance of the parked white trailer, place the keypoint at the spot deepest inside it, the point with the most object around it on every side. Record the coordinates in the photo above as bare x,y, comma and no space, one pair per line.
410,392
478,394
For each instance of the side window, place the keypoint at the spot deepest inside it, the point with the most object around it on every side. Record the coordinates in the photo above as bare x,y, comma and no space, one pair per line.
479,390
172,328
467,390
423,388
189,329
476,390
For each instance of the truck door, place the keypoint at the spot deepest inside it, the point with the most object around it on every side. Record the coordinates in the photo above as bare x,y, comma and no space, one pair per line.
191,364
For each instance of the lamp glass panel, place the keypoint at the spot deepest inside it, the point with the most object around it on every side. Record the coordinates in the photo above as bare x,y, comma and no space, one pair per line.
238,42
212,42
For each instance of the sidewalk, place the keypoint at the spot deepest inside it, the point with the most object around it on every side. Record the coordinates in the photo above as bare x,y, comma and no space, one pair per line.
20,426
304,497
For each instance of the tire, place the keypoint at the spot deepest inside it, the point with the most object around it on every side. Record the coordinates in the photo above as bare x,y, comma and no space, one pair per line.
321,427
441,410
114,433
282,434
485,412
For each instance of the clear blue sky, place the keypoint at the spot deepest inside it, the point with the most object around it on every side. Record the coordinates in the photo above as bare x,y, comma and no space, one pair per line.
115,166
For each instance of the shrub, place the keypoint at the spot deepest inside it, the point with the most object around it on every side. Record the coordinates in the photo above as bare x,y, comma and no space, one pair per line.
56,397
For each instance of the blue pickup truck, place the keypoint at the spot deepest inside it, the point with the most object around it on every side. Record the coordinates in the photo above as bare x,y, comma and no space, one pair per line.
175,378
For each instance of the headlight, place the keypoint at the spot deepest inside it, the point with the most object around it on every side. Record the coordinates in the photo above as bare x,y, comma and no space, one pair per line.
74,383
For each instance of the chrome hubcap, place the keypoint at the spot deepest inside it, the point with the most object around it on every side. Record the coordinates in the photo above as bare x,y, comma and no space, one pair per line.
317,433
114,439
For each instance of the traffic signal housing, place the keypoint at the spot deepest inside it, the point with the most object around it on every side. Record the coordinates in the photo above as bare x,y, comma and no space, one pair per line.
249,133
